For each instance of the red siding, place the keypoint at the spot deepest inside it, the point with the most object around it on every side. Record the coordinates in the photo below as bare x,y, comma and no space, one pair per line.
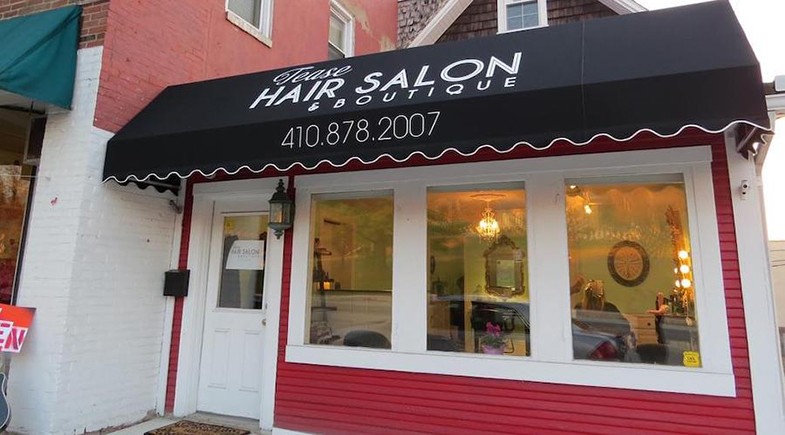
341,400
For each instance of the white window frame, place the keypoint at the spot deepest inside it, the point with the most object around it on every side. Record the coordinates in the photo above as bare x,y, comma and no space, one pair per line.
551,357
501,10
264,32
343,14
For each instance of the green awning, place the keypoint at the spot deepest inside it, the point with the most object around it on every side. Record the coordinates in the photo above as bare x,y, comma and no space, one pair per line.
38,55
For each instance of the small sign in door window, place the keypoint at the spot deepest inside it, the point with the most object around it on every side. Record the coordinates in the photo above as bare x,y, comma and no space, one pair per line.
242,274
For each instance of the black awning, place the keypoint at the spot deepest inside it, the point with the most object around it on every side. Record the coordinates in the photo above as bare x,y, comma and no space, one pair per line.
655,71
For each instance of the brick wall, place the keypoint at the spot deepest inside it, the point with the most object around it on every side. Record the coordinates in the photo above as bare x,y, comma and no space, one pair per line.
94,12
194,41
480,18
93,268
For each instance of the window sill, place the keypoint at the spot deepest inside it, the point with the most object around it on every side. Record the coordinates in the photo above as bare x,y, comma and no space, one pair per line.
248,28
583,373
501,32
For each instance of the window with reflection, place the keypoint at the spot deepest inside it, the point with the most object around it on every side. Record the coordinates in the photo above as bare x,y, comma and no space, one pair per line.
22,138
520,14
242,276
340,41
351,263
254,12
632,292
478,297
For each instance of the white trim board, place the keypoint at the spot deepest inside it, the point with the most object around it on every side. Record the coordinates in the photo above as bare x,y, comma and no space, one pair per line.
755,274
623,7
440,22
343,14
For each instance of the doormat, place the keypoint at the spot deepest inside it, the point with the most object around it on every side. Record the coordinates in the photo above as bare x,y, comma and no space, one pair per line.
185,427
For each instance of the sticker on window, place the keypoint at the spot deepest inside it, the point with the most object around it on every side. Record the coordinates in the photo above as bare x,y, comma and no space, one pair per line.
692,359
246,255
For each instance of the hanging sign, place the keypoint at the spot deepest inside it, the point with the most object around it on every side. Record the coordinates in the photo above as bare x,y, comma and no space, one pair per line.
246,255
14,324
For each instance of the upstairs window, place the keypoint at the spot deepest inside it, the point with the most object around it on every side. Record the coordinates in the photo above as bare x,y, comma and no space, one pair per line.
340,43
521,14
253,16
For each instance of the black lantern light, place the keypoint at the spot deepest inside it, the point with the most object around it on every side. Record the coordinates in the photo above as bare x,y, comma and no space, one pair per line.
281,211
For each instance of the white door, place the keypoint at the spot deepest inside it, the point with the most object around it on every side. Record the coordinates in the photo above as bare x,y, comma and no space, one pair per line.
230,375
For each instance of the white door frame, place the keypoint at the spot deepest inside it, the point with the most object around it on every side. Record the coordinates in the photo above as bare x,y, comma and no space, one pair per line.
205,195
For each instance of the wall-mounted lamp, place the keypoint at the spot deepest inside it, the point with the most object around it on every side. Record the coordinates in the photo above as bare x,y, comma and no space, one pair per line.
281,211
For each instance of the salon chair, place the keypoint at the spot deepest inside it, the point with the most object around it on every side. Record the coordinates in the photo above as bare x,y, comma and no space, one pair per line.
653,353
444,344
364,338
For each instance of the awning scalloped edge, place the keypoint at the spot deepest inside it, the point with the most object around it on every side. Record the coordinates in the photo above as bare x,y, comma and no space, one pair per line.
442,153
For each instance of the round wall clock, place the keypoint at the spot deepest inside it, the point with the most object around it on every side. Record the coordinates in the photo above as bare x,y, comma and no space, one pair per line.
628,263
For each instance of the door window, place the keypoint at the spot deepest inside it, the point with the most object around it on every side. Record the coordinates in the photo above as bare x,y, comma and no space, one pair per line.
243,260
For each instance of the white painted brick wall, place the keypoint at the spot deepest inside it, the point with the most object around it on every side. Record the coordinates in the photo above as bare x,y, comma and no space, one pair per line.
93,268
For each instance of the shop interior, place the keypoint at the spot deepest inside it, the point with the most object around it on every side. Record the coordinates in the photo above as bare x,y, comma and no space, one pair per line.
632,297
19,131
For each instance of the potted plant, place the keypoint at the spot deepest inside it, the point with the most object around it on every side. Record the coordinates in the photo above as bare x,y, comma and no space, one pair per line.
493,342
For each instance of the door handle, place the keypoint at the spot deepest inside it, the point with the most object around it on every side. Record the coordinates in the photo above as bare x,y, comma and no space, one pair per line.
264,322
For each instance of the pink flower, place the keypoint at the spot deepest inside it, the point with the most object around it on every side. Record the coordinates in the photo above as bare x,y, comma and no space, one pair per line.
492,329
493,336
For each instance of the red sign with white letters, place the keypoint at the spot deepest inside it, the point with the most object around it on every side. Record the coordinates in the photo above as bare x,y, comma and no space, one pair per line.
14,324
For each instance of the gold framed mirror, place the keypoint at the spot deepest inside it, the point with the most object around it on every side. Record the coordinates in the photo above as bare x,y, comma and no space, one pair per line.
504,268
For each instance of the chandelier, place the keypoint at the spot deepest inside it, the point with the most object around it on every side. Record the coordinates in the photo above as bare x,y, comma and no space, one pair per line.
488,228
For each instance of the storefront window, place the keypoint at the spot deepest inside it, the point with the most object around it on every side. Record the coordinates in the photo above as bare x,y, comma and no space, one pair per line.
633,293
478,297
20,147
242,276
14,187
351,263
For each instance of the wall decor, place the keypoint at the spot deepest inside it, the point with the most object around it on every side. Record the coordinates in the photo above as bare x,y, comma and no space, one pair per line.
628,263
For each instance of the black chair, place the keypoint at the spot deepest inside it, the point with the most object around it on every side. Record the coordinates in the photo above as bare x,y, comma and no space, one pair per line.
653,353
444,344
363,338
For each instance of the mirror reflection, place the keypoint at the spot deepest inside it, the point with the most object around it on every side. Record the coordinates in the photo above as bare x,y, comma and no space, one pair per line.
504,268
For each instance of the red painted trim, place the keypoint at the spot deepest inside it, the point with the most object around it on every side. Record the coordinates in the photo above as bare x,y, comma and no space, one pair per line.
177,318
323,399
